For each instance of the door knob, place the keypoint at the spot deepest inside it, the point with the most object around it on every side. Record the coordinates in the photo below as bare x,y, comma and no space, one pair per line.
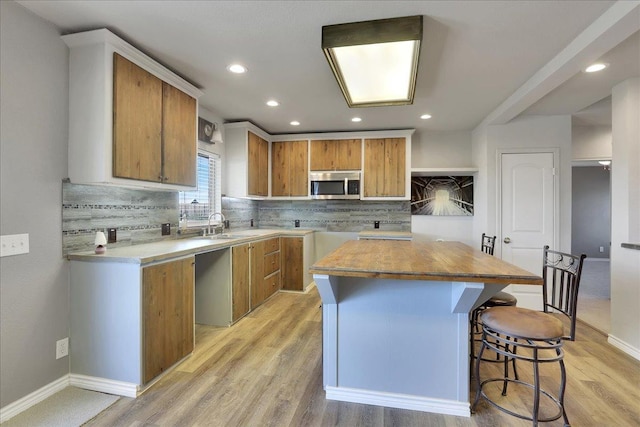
507,240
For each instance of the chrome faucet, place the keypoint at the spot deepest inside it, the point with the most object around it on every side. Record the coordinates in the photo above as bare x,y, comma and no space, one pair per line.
222,221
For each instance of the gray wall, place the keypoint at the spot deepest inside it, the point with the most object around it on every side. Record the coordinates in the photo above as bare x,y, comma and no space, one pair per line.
34,289
591,211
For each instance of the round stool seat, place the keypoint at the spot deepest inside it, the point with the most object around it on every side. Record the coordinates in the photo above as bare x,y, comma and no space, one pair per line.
501,299
519,322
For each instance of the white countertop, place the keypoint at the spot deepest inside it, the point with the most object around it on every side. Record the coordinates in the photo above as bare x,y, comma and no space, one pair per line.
176,248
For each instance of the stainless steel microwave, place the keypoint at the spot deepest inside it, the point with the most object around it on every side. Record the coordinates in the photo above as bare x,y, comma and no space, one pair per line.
335,185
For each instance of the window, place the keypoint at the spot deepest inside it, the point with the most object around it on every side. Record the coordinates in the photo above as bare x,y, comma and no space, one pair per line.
196,206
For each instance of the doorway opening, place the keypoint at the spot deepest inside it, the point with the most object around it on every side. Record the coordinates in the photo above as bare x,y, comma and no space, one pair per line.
591,235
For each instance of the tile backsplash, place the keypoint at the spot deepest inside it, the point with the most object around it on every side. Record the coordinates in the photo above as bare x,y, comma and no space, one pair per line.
336,215
137,215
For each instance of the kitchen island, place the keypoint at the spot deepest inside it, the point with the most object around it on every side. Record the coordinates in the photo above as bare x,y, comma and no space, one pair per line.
395,320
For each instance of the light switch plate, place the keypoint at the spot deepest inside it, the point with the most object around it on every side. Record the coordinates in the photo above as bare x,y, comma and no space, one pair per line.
14,244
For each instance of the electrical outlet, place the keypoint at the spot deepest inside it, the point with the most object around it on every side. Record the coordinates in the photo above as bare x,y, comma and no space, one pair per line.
166,229
62,348
601,249
112,236
376,224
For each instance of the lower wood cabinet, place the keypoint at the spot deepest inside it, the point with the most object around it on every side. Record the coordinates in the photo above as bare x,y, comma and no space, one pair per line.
297,254
240,284
167,310
265,270
129,323
292,263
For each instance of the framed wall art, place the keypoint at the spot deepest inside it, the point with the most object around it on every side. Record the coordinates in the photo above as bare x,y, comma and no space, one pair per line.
442,195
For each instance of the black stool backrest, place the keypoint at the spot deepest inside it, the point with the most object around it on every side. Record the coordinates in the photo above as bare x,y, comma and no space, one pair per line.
561,280
488,244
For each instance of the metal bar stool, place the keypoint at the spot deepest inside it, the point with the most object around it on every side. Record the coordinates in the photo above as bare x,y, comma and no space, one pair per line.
501,299
532,336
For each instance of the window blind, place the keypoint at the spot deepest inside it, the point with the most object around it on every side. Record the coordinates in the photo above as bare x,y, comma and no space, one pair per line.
197,205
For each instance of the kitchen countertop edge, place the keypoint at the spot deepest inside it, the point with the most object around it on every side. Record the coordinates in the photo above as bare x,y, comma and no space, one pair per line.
148,253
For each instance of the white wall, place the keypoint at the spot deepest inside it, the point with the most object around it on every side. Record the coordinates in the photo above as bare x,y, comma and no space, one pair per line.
522,133
211,116
591,142
625,214
442,150
34,296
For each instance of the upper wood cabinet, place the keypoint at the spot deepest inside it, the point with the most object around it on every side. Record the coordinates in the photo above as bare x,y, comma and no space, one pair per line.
247,161
289,168
137,122
179,113
153,127
258,166
385,169
336,155
132,122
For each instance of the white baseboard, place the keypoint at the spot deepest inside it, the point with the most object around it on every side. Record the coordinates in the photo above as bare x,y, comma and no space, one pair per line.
401,401
104,385
21,405
621,345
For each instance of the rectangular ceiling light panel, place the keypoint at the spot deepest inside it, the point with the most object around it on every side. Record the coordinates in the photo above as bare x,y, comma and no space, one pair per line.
375,62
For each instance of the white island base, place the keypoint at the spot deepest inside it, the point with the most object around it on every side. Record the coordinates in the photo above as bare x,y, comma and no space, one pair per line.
399,343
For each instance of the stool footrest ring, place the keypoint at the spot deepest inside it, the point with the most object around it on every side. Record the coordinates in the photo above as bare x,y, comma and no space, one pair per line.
515,414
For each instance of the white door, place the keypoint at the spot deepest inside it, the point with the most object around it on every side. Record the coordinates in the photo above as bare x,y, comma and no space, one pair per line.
528,211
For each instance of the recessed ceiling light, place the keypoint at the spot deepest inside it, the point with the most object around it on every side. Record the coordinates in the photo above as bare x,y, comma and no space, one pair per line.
425,116
356,119
237,68
295,123
595,67
272,103
605,162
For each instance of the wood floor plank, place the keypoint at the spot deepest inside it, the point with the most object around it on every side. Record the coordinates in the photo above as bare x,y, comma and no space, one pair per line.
266,370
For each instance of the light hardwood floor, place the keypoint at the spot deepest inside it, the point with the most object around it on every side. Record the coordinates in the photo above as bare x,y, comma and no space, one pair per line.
267,371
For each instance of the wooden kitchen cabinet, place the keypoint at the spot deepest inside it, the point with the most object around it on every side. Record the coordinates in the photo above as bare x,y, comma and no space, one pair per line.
179,118
384,172
271,268
289,168
137,122
247,159
240,286
153,127
265,270
336,155
125,111
167,309
292,263
258,168
128,322
297,255
233,281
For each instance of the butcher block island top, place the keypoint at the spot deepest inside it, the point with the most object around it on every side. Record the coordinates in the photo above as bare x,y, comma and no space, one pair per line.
395,320
414,260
